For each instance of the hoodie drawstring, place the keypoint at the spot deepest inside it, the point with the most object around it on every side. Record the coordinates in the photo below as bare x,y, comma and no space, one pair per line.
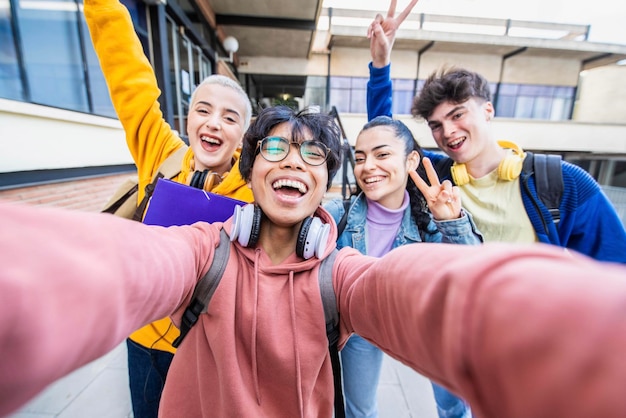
253,344
292,310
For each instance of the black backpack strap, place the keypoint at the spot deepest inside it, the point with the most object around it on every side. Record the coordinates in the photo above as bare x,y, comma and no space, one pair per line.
169,168
549,181
331,315
442,167
344,219
141,208
205,288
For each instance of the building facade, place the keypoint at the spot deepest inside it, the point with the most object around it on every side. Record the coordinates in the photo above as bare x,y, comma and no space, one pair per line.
554,91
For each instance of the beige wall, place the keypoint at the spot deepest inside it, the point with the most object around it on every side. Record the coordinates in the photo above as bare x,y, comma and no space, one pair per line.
602,96
541,70
317,65
34,137
487,65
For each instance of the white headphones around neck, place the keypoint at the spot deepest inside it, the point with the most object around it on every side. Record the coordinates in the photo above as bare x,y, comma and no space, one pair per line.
312,236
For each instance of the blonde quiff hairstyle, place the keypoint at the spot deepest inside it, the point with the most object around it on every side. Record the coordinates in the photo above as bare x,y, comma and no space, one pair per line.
232,84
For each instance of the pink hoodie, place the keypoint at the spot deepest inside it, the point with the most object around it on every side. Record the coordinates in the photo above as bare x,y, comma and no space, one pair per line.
519,332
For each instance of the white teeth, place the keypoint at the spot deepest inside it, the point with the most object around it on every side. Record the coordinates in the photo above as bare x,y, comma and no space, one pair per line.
457,142
209,140
373,179
290,183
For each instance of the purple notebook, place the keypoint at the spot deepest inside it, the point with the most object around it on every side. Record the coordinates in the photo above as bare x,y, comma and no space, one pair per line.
178,204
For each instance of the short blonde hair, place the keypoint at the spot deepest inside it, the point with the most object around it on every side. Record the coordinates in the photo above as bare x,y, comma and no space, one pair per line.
230,83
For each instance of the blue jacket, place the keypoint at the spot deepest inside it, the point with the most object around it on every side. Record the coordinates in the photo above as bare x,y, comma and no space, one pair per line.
589,223
457,231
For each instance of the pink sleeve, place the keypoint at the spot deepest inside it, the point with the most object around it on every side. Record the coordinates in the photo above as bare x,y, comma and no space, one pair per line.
517,331
73,285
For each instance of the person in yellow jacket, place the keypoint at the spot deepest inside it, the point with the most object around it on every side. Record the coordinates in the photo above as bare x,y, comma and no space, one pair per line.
219,114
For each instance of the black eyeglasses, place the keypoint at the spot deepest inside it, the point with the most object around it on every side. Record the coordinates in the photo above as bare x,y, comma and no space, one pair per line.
276,148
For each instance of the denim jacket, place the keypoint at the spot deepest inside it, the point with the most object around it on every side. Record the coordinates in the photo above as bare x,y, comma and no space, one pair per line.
456,231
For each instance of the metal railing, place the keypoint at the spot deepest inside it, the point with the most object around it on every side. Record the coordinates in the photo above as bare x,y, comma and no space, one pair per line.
348,185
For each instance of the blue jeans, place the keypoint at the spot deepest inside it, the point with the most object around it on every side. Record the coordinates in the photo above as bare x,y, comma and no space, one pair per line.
360,364
147,369
449,405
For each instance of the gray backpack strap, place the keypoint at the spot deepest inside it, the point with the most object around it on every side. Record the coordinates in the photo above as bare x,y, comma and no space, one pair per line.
205,288
331,315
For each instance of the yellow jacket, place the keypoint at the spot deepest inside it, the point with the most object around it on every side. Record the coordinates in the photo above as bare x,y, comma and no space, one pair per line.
134,92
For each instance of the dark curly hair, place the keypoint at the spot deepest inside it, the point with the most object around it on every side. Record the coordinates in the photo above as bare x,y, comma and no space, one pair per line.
454,84
305,124
419,207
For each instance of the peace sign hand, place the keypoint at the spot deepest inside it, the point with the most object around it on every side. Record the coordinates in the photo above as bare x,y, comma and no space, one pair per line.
382,33
444,200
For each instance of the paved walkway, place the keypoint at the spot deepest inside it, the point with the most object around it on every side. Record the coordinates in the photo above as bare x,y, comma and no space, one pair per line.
100,390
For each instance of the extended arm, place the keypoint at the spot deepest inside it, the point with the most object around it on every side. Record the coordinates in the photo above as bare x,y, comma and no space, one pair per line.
519,332
70,293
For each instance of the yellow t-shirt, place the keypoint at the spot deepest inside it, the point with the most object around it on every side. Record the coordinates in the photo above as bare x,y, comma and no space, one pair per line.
497,208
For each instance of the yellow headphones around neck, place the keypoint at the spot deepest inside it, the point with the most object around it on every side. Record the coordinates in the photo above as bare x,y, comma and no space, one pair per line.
509,168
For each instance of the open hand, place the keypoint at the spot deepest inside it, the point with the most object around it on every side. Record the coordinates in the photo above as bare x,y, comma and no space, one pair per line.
443,199
382,33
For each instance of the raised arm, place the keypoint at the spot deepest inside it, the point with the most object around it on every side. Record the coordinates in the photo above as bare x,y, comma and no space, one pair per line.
500,325
382,35
132,86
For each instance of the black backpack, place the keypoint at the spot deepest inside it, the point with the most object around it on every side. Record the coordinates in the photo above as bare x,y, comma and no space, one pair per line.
206,286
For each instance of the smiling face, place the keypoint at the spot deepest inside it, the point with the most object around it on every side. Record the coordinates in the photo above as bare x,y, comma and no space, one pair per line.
462,130
382,165
215,126
289,190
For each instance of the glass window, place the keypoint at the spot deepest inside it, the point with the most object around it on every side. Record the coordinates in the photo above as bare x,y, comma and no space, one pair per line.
524,107
340,93
52,54
358,101
508,89
560,109
100,99
402,102
402,96
535,101
315,92
506,106
541,108
565,92
340,99
204,66
10,82
340,82
359,82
